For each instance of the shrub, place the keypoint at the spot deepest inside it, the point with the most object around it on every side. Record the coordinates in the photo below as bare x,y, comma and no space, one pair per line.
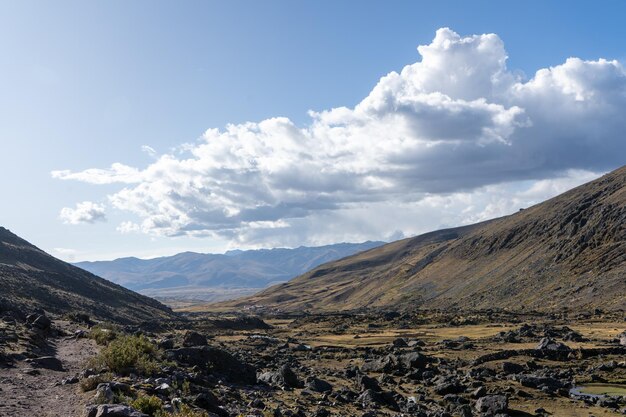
103,334
128,353
149,405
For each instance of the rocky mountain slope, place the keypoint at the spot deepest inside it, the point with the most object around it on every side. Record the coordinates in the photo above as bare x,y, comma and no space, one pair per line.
235,269
31,279
567,252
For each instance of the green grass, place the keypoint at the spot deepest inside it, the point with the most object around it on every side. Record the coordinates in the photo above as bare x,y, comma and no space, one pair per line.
603,389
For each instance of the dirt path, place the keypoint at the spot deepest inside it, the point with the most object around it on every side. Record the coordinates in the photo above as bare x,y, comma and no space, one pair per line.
24,395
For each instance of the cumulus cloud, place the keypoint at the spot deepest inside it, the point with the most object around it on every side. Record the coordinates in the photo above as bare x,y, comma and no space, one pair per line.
85,212
456,129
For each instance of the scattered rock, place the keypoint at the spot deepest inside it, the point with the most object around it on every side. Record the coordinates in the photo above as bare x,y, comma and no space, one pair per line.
491,405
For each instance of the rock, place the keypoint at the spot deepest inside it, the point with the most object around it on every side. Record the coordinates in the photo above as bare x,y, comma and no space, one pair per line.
165,343
547,384
47,362
192,338
479,392
40,322
79,334
550,344
622,339
283,378
400,342
104,394
491,405
69,380
209,402
31,371
512,368
364,382
321,412
403,363
369,398
318,385
113,410
451,387
217,360
415,343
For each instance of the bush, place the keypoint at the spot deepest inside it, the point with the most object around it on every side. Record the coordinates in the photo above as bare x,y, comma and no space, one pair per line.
128,353
103,334
149,405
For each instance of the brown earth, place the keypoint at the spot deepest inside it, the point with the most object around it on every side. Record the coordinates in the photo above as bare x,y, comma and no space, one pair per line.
568,252
42,395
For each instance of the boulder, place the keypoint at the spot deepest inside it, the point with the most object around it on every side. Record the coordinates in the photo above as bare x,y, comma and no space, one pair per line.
364,382
491,405
512,368
209,402
318,385
549,344
192,338
217,361
47,362
113,410
283,378
403,363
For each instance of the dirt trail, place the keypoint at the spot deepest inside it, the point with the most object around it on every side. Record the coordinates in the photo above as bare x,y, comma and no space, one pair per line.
24,395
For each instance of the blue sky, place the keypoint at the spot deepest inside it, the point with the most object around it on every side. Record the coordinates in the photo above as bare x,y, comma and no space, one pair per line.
84,85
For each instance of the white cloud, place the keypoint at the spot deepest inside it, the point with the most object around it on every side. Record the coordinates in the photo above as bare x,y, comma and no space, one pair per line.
449,139
85,212
149,150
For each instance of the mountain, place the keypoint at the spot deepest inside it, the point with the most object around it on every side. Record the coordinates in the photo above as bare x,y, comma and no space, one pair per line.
189,273
30,279
567,252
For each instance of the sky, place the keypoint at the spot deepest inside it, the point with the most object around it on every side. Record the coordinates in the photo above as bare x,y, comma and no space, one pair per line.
148,128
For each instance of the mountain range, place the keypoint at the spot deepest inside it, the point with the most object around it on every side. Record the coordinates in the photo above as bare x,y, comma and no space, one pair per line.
567,252
191,275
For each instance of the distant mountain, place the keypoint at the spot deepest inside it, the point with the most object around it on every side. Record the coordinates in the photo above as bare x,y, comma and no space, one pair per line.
30,278
254,269
567,252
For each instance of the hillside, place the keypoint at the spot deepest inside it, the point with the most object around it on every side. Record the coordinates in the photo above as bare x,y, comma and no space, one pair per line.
191,274
567,252
30,278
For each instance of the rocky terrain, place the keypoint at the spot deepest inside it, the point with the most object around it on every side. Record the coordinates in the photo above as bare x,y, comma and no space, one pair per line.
566,253
420,363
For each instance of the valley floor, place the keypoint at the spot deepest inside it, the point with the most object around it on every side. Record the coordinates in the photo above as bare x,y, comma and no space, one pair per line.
425,364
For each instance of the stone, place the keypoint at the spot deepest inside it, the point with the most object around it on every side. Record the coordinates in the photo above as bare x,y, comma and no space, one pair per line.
550,344
114,410
512,368
218,362
491,405
47,362
318,385
192,338
364,382
104,394
283,378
